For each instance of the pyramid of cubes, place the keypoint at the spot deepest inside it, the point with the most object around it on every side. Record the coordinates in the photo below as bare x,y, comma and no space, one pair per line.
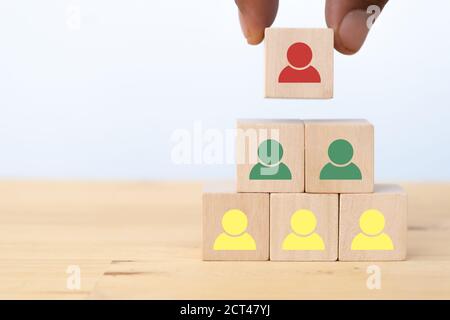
305,188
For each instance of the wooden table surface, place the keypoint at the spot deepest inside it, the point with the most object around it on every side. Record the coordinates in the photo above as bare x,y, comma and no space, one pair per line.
142,240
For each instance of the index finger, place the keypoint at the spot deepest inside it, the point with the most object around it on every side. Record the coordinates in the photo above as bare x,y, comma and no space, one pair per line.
255,16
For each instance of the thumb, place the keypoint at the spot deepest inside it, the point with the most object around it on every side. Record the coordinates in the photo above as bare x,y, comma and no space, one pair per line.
351,21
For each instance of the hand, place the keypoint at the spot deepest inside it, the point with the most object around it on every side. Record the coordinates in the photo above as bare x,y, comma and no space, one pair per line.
348,18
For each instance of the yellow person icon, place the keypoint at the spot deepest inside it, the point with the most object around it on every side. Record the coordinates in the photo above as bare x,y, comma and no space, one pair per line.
303,237
235,237
372,236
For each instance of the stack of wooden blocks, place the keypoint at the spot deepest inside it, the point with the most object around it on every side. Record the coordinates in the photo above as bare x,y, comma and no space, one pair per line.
305,189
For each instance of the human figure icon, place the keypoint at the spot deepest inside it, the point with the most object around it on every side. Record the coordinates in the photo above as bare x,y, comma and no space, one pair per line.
234,237
299,70
303,236
372,236
270,167
340,153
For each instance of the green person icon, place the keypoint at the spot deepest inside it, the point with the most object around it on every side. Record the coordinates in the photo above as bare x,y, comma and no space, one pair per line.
270,167
340,153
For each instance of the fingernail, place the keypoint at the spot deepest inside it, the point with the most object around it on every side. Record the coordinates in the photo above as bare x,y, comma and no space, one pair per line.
254,39
353,30
250,36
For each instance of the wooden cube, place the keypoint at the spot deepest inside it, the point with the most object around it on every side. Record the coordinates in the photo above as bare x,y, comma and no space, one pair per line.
304,227
299,63
339,156
270,156
235,226
373,227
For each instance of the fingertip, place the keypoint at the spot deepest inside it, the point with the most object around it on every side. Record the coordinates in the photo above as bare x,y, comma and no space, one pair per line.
255,39
253,35
352,32
341,48
351,21
255,16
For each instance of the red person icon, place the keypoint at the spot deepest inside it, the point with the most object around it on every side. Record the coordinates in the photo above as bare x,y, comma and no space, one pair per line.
299,56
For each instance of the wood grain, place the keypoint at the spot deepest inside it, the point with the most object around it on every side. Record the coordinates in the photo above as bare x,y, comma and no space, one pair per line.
290,134
143,240
391,201
277,43
325,208
319,134
254,205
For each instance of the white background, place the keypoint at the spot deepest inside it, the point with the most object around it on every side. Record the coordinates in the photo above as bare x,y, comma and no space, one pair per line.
101,101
